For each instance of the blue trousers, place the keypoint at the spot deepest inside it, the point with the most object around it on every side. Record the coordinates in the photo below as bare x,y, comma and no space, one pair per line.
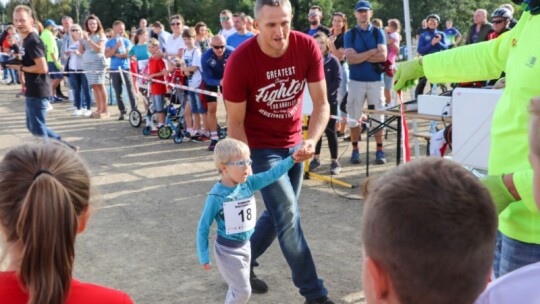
36,110
282,219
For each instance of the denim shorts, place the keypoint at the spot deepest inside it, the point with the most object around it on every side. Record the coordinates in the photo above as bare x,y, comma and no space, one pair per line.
159,103
388,82
53,69
511,254
197,106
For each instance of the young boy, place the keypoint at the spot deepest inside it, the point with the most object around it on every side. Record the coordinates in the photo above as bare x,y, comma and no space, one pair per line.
192,70
429,230
232,205
156,71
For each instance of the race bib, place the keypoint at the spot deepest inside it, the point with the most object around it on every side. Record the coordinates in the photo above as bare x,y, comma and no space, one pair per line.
240,216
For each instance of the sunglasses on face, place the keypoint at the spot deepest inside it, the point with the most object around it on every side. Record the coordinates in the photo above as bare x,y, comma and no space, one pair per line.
313,15
175,23
497,21
218,47
108,37
224,18
240,163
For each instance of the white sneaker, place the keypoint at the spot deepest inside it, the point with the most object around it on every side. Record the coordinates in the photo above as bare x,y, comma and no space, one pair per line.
77,113
87,113
49,107
71,108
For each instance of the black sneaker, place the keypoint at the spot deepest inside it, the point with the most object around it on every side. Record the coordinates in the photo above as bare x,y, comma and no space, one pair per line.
212,145
339,134
257,285
121,117
323,300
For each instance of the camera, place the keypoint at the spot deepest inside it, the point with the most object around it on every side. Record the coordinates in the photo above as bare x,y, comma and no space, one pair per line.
13,60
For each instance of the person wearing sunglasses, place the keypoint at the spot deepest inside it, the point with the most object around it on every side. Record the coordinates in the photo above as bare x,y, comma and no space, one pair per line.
315,16
213,63
231,203
500,20
175,46
227,28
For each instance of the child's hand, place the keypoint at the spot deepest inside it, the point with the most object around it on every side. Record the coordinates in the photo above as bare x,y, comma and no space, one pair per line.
206,266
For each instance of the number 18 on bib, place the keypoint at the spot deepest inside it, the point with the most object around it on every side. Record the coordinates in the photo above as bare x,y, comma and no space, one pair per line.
240,215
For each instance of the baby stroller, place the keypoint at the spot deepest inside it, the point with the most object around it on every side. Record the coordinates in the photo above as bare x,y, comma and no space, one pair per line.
135,116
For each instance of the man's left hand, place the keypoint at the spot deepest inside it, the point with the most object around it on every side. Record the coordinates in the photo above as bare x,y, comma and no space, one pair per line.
307,150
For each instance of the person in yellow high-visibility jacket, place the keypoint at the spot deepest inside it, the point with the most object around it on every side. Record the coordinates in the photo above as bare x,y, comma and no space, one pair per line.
510,178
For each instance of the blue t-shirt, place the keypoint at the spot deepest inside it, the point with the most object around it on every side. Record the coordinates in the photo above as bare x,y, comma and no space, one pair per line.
451,35
364,41
115,61
236,39
140,51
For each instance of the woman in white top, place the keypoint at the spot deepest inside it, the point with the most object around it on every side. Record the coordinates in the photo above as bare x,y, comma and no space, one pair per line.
174,45
77,79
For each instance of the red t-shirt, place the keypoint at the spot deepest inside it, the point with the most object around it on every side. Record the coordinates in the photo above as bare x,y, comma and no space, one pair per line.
273,88
5,44
157,65
80,293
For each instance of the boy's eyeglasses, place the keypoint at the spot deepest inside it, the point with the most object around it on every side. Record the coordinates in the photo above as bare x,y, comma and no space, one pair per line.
240,163
221,19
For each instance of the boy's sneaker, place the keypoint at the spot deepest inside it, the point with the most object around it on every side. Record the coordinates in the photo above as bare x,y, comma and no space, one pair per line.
355,157
154,132
339,134
212,145
335,168
379,158
347,138
314,164
87,113
200,138
323,300
77,113
121,117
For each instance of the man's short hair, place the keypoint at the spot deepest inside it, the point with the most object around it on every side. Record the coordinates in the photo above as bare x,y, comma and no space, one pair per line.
260,3
179,17
118,22
432,226
316,7
24,8
242,16
157,24
225,12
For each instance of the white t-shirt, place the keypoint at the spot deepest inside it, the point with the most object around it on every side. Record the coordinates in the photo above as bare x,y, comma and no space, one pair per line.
193,58
226,33
172,45
518,286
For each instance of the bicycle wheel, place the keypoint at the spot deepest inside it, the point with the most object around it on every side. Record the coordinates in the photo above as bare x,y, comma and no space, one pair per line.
164,132
135,118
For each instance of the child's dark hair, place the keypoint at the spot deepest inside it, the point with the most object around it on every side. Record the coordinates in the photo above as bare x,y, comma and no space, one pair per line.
43,190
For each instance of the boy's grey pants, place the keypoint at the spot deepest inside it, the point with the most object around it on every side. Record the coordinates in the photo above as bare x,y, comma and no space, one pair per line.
233,264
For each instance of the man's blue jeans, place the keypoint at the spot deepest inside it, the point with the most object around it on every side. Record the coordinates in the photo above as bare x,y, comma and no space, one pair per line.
512,254
282,219
36,109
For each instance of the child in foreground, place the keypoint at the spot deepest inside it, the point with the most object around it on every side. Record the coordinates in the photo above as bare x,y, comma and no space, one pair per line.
232,205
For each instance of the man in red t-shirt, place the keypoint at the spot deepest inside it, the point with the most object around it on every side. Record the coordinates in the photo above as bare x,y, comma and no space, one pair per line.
262,87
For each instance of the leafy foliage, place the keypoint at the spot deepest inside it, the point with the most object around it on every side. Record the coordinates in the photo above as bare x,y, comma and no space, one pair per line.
130,11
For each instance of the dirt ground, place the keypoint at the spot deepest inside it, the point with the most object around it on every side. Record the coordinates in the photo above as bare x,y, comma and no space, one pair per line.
150,194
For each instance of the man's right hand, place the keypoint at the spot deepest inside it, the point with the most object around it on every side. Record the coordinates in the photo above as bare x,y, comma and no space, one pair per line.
407,73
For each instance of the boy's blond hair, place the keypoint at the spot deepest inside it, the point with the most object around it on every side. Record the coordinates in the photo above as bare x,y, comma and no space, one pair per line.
227,149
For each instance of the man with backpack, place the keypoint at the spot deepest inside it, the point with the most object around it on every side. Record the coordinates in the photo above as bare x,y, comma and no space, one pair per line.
365,51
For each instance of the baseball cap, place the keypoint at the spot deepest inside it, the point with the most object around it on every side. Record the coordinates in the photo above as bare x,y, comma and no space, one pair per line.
49,22
362,5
